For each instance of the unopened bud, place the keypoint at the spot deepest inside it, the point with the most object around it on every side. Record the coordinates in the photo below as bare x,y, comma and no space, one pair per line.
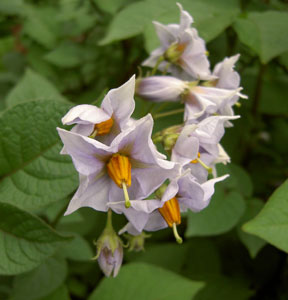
160,88
109,250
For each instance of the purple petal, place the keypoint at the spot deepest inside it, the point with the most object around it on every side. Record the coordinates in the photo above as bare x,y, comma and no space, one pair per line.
85,114
120,102
92,192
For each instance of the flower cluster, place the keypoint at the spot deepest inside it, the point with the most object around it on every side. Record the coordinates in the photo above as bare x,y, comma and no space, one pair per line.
120,168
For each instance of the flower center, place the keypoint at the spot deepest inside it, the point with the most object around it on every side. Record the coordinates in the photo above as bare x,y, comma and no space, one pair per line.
119,169
174,52
102,128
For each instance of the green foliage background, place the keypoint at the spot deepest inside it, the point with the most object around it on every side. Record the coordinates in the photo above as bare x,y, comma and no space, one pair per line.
58,53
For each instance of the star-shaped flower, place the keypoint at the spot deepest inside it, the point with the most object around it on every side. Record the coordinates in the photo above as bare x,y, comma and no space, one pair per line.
183,193
182,51
131,164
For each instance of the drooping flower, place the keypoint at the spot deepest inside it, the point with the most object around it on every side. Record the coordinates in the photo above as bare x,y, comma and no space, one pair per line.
131,164
183,193
109,250
161,88
200,101
110,119
182,51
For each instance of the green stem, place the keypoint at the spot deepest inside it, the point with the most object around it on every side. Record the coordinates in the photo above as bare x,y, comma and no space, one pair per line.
109,225
160,59
168,113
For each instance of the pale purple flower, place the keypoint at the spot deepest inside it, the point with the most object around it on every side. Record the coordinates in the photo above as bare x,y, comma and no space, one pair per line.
109,249
202,101
197,148
161,88
183,52
229,79
145,215
110,261
112,117
91,158
203,137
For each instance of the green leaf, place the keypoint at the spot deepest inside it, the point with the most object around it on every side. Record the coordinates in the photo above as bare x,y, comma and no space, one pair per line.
33,173
11,7
251,242
238,180
59,293
202,260
197,257
225,289
110,6
40,25
41,66
271,224
78,249
274,88
33,87
265,33
174,258
25,240
146,282
138,17
66,55
131,21
284,59
41,281
222,214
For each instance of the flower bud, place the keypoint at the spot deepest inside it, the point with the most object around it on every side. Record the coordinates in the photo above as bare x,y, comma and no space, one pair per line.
160,88
109,250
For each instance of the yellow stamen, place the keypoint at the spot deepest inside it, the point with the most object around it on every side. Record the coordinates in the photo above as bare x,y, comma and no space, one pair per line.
195,161
170,211
102,128
119,169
